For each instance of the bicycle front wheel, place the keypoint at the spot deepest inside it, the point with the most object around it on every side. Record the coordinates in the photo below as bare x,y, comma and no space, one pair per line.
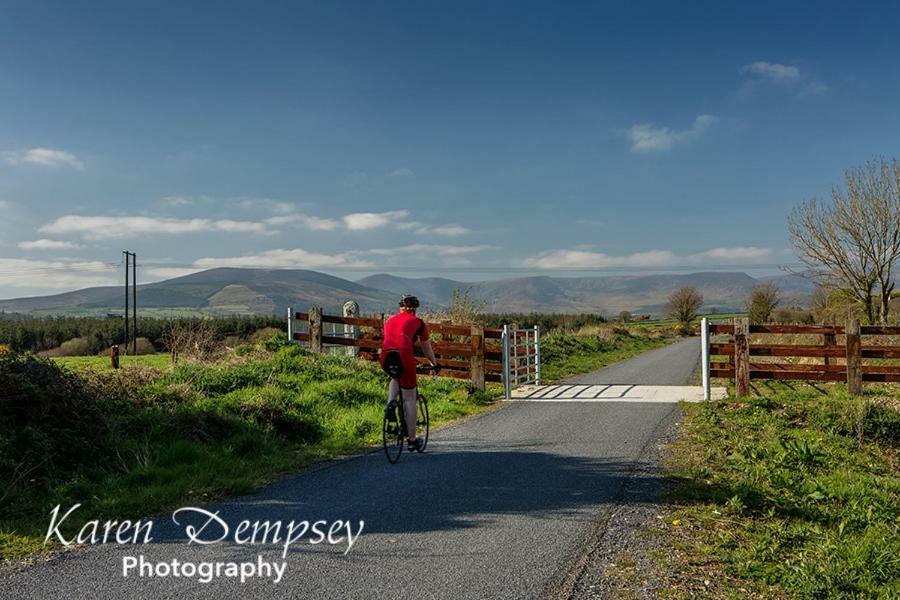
422,420
392,434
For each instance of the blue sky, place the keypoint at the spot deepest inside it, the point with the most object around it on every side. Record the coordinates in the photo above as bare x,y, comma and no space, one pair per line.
466,139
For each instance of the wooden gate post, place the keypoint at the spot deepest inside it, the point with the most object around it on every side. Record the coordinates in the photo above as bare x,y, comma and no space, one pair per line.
315,330
854,358
742,357
829,341
477,361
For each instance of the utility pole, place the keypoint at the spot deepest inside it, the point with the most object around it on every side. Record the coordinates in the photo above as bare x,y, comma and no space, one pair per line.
134,303
131,332
127,263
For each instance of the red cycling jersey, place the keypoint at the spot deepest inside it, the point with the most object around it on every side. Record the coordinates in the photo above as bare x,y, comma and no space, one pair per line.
401,332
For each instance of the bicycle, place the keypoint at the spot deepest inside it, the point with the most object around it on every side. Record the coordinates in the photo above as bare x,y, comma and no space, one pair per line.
393,427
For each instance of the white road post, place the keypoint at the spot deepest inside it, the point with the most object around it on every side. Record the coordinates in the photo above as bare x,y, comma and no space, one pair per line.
704,356
537,355
290,324
506,383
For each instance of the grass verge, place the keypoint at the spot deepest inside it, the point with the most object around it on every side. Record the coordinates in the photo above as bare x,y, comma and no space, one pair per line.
792,494
134,442
566,355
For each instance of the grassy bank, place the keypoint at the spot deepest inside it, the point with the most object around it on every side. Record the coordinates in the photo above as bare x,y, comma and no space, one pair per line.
792,494
590,349
140,440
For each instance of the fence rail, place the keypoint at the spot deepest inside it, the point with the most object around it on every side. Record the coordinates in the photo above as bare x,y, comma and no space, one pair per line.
826,361
463,352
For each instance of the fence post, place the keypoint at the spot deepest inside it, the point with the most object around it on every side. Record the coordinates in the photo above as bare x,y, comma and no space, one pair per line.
315,330
742,357
477,361
704,355
351,309
828,342
114,357
854,358
290,328
506,383
537,355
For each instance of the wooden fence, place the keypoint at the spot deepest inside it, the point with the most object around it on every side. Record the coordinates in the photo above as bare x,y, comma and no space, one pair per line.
853,354
464,352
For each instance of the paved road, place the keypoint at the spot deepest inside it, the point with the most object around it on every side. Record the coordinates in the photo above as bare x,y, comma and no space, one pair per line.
501,506
669,365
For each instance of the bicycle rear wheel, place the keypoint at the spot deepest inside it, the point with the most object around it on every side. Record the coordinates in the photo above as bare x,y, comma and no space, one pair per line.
422,421
392,433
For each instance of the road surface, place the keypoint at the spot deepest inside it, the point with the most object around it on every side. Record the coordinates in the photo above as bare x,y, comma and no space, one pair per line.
501,506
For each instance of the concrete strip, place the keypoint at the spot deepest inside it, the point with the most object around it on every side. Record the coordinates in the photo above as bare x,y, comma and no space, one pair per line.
616,393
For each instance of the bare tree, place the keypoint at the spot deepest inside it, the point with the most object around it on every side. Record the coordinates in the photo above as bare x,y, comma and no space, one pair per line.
853,242
764,299
684,304
196,340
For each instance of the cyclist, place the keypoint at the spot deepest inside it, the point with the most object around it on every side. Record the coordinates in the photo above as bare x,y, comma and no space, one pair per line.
401,333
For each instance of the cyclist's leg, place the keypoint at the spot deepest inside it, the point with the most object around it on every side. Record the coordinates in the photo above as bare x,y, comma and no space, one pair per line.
410,408
393,389
408,391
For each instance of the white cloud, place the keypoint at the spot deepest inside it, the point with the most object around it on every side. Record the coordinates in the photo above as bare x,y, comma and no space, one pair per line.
761,73
582,259
45,244
102,227
419,249
646,137
448,230
305,221
294,258
6,204
366,221
46,157
402,172
177,200
412,255
54,275
773,71
275,206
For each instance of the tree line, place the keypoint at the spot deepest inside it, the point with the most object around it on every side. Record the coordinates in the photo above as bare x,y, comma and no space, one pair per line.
36,334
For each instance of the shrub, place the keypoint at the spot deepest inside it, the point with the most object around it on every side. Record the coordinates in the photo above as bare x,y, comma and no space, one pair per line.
197,340
50,422
144,346
266,333
74,347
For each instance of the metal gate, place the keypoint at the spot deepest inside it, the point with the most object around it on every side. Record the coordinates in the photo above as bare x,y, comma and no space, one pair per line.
521,357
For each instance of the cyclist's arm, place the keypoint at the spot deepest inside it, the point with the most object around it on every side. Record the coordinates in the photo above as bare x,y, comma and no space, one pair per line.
425,345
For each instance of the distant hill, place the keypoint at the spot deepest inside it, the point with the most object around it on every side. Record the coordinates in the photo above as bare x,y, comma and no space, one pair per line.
607,295
267,291
430,290
217,291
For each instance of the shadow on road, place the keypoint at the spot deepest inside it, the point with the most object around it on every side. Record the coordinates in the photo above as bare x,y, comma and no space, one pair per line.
441,490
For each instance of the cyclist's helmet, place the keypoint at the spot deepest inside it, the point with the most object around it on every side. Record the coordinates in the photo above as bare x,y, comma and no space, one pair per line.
408,301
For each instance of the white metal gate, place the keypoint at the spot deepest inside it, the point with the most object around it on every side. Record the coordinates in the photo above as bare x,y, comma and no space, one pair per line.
521,357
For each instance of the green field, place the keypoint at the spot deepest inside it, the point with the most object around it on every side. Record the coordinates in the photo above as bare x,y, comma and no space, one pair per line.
566,355
671,323
795,493
102,363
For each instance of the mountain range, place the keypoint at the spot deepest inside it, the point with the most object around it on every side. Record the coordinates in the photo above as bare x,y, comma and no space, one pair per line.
268,291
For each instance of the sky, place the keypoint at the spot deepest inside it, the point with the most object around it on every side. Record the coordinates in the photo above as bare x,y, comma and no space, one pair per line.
470,140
